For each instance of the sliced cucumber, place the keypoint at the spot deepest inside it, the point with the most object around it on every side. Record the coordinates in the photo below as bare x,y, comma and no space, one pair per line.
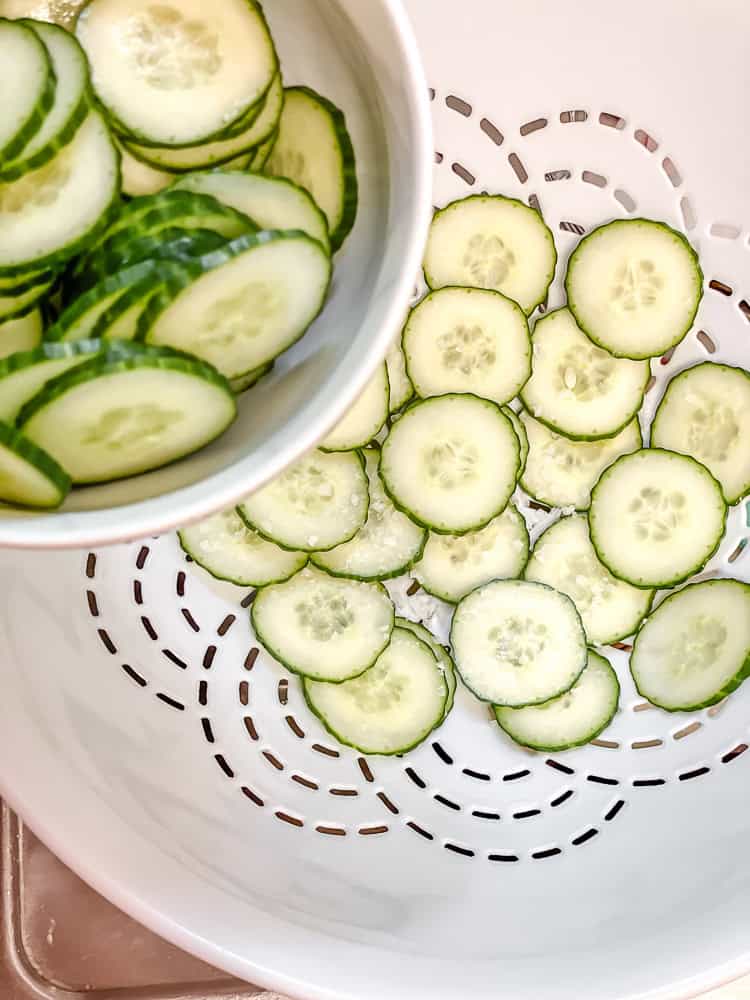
225,547
262,153
271,202
468,340
694,650
365,419
322,627
442,655
452,566
16,284
571,720
151,213
517,643
564,558
488,241
29,477
122,319
256,297
656,518
387,544
52,213
314,150
523,437
390,709
22,334
451,463
318,503
576,388
562,473
140,179
246,382
400,388
27,83
705,413
22,375
173,72
634,287
120,416
15,306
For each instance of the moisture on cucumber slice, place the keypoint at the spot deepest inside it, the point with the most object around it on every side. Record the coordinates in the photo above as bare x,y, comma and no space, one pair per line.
634,287
562,473
705,413
22,375
451,462
365,419
174,72
322,627
468,340
29,477
140,179
400,388
656,518
523,437
564,558
452,566
442,655
319,502
694,650
517,643
576,388
570,720
23,334
225,547
256,297
27,85
314,150
386,545
391,708
245,382
489,241
120,416
15,306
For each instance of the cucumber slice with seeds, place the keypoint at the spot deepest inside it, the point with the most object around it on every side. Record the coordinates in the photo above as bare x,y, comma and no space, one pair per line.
27,83
322,627
571,720
468,340
441,653
705,413
576,388
387,544
564,558
390,709
634,287
489,241
29,477
451,463
365,419
227,549
656,518
452,566
319,502
22,334
523,437
24,374
517,643
400,388
694,650
562,473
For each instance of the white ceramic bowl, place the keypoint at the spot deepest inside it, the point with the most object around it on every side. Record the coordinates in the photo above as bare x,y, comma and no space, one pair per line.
362,54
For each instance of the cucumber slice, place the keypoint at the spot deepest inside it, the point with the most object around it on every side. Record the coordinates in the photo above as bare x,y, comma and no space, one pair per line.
694,650
226,548
387,544
120,416
517,643
318,503
22,334
22,375
656,518
175,73
324,628
121,320
571,720
452,566
262,153
70,107
314,150
15,306
468,340
245,382
634,287
140,179
442,655
271,202
523,438
393,707
16,284
576,388
400,388
705,413
451,463
562,473
488,241
29,477
256,298
27,83
52,213
365,419
565,559
152,213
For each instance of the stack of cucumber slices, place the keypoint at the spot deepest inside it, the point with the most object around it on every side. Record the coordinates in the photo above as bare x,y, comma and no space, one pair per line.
169,211
473,416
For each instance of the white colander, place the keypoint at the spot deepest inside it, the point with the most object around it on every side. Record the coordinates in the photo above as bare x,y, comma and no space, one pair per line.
160,754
